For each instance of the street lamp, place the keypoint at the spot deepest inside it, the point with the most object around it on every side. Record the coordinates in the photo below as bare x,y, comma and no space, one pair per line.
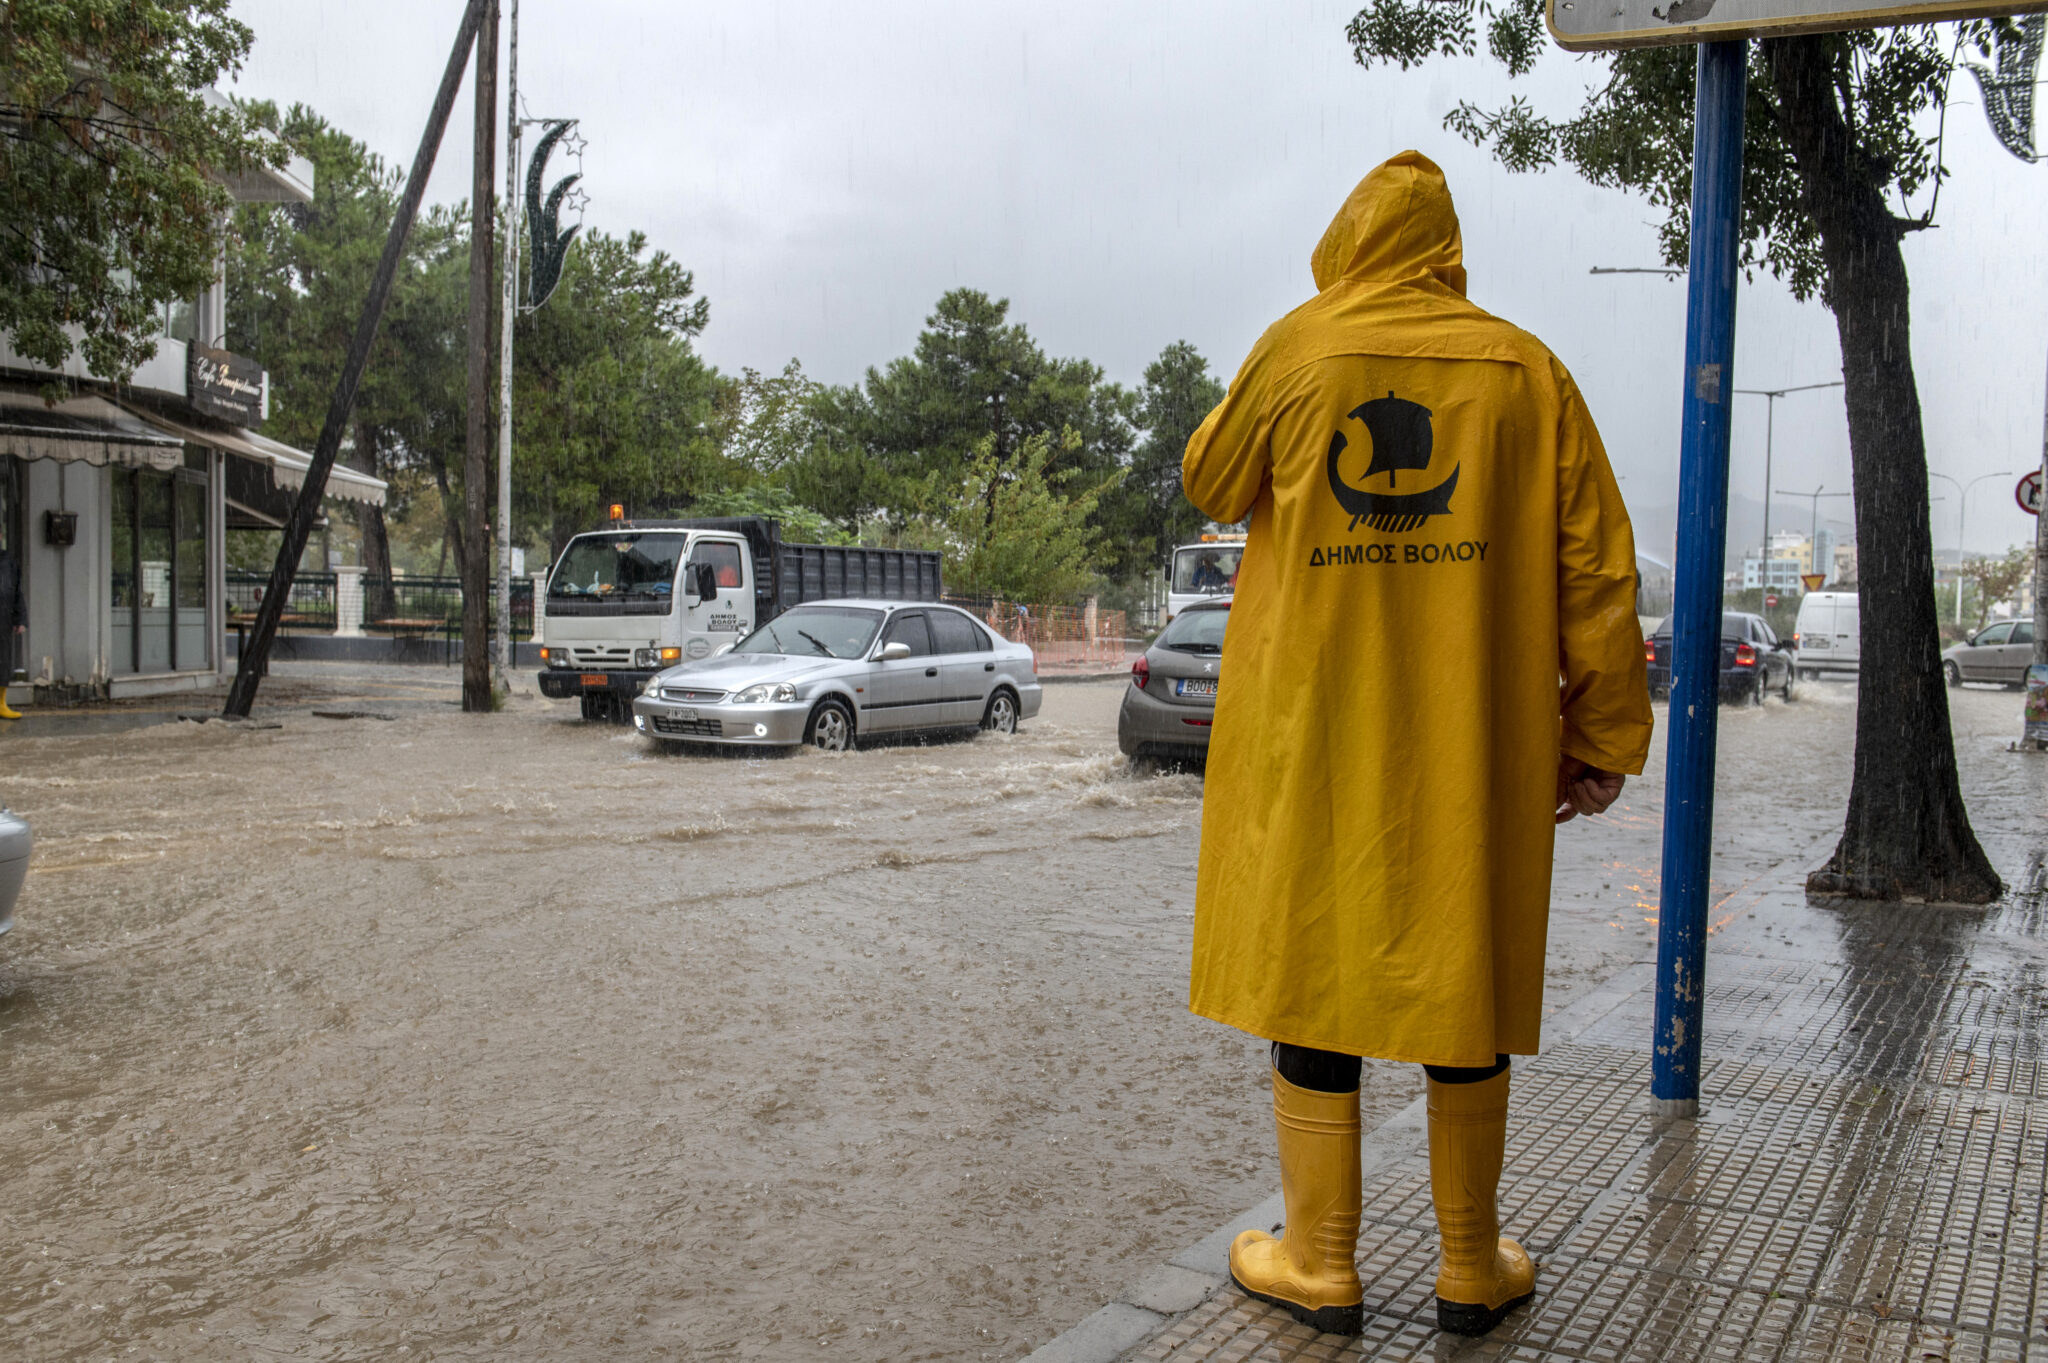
1962,514
1771,396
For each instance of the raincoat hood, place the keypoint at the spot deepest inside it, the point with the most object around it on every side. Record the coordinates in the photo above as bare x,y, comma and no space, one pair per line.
1396,227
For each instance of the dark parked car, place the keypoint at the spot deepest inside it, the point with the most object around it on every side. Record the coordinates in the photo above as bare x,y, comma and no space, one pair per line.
1753,659
1170,704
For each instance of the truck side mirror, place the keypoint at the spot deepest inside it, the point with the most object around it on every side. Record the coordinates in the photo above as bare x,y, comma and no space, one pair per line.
703,581
891,652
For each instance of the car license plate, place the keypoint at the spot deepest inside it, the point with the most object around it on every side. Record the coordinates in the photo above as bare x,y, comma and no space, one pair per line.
1816,642
685,712
595,679
1197,687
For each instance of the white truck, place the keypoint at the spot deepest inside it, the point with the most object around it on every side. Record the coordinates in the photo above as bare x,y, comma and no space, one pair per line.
626,602
1202,572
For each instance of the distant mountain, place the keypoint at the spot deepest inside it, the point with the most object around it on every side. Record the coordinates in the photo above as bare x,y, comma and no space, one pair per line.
1657,526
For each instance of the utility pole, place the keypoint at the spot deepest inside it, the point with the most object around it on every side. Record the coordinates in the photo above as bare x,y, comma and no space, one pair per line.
298,526
1771,396
476,662
510,308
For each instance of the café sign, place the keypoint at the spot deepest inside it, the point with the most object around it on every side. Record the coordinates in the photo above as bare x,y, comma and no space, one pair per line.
224,385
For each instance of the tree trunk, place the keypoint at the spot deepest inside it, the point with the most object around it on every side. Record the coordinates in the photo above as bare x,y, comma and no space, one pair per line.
476,548
1907,834
378,597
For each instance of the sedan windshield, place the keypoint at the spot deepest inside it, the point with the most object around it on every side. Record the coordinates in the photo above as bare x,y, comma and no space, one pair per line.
815,632
1196,631
615,566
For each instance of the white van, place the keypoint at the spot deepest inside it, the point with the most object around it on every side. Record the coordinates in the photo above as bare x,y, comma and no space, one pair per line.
1828,635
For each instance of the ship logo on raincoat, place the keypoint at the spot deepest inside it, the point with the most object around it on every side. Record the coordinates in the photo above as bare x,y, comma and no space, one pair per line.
1401,439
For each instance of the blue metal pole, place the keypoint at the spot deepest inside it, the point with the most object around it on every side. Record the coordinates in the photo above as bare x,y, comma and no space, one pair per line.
1702,543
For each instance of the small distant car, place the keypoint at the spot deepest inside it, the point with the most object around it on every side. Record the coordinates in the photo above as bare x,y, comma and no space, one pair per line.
15,844
1997,653
1754,660
831,673
1170,706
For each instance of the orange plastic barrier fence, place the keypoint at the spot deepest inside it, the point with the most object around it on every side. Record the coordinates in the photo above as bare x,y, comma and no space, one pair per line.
1061,636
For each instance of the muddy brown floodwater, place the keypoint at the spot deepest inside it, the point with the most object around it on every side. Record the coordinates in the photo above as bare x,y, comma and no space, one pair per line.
511,1037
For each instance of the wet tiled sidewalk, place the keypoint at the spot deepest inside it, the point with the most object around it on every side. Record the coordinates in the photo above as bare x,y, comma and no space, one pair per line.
1865,1181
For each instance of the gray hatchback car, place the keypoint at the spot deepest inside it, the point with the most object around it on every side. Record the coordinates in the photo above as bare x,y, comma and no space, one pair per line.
1170,705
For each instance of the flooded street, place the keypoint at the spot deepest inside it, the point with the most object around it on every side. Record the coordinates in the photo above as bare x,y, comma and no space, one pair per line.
512,1037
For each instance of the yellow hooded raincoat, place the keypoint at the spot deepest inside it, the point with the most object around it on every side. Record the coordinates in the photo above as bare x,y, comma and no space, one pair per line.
1437,593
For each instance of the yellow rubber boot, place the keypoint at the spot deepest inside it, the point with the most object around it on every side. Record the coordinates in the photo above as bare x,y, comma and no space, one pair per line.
1312,1269
1485,1275
6,713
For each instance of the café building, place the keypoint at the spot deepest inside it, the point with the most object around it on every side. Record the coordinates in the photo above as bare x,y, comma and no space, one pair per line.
116,500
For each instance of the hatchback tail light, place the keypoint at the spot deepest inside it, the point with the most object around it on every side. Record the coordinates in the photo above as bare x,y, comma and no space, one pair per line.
1649,650
1745,655
1141,673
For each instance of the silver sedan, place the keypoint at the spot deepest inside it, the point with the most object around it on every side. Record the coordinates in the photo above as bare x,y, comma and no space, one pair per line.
15,842
829,673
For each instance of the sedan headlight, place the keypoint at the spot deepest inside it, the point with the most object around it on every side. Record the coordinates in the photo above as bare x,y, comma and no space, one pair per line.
767,693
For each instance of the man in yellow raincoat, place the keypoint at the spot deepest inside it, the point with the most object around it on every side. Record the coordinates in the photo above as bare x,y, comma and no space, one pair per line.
1433,658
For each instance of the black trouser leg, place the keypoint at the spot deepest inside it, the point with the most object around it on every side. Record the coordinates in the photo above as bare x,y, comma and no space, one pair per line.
1454,1074
1317,1071
1334,1072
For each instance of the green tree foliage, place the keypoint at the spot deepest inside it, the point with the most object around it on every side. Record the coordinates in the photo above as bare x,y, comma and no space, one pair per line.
1019,528
1996,579
777,429
1177,394
1841,137
611,403
112,157
297,277
800,523
977,387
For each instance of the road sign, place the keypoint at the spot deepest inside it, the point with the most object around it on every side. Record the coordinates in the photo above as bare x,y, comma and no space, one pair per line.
1771,600
2028,493
1814,581
1597,25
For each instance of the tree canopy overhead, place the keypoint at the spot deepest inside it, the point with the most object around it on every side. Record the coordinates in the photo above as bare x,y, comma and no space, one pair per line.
1842,138
112,158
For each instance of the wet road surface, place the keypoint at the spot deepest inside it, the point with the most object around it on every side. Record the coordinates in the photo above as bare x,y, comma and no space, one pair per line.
513,1037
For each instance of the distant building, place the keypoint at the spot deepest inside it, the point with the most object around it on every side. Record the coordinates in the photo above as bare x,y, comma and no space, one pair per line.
1790,555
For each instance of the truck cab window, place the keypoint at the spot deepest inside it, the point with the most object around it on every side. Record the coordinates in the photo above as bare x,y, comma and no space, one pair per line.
618,565
724,560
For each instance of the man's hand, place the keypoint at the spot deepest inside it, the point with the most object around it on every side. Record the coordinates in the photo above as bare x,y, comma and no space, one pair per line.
1582,789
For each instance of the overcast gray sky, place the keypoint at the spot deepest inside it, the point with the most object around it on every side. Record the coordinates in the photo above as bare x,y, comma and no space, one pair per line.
1129,174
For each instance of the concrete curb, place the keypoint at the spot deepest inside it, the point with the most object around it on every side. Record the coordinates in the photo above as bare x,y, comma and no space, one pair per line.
1194,1275
1054,678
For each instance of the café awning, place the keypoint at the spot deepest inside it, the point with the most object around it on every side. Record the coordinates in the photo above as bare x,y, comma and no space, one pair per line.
88,430
287,466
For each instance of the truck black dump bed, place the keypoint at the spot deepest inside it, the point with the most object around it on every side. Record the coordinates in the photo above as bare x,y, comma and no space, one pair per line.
790,574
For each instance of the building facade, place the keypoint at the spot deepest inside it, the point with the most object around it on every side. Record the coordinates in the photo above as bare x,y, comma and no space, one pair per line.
116,500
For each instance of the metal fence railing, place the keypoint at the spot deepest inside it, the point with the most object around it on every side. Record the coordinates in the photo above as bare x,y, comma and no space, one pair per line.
310,609
411,604
398,605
